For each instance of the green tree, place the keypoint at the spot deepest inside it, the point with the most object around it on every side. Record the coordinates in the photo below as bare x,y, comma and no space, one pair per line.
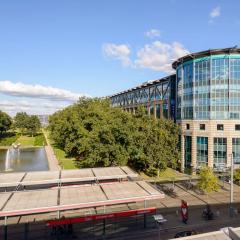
99,135
21,121
32,125
5,122
208,182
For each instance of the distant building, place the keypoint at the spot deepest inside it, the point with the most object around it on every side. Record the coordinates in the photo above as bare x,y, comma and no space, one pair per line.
43,120
203,97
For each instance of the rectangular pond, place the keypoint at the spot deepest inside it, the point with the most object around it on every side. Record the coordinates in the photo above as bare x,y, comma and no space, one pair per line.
23,160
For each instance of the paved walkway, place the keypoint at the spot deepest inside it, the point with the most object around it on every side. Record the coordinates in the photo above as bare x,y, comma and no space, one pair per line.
52,160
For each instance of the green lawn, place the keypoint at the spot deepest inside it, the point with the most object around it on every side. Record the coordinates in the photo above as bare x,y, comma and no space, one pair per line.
168,174
26,140
64,161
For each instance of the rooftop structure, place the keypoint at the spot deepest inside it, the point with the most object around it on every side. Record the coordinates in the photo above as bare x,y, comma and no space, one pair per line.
93,175
75,197
37,196
157,96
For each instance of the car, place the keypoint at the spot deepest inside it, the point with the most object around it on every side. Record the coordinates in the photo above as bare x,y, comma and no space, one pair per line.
185,233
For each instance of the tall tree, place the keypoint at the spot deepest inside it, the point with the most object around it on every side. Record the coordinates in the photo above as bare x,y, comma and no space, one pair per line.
33,124
21,121
99,135
5,122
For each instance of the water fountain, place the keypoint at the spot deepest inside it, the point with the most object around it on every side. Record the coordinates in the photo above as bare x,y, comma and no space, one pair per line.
13,153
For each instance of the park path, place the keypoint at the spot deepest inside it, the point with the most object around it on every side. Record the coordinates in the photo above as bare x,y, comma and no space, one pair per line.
52,160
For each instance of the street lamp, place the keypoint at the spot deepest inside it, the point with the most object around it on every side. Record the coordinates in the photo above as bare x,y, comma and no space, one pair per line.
231,186
159,219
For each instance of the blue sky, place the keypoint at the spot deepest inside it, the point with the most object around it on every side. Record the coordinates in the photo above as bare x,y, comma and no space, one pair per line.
52,51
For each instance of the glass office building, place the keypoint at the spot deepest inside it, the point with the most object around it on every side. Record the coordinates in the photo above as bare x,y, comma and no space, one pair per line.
208,106
204,99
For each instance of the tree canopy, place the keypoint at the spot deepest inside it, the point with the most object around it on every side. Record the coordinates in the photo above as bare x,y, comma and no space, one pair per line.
26,123
99,135
208,182
5,122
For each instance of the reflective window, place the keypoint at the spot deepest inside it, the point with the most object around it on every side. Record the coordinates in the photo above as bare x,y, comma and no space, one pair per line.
202,151
165,110
187,100
179,92
219,88
234,87
188,151
201,89
151,109
236,150
202,126
158,111
216,88
220,152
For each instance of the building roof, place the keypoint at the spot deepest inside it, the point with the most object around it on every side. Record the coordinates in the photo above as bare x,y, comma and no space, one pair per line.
26,202
65,176
144,84
209,52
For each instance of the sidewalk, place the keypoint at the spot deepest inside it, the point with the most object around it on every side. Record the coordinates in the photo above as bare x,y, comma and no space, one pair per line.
52,160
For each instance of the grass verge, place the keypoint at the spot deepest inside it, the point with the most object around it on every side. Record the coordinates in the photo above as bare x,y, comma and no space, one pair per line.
167,174
64,161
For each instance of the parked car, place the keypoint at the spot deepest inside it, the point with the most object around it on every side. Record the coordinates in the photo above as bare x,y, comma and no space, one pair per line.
185,234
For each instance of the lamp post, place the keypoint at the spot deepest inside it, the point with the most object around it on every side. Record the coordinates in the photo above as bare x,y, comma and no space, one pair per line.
159,219
231,187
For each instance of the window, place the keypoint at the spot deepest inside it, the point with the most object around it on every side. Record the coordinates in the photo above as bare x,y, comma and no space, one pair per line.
220,127
188,151
236,150
187,126
202,126
237,127
202,151
220,152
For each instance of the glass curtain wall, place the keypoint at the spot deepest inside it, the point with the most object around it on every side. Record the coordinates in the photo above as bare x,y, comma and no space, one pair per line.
202,151
158,110
201,89
216,88
236,150
234,87
219,88
187,103
179,92
166,99
152,108
220,152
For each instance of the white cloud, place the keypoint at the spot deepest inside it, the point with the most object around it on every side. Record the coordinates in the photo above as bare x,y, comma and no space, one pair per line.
38,91
216,12
120,52
159,56
152,33
35,106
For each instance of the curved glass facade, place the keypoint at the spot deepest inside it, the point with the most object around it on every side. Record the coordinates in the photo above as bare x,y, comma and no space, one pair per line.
209,88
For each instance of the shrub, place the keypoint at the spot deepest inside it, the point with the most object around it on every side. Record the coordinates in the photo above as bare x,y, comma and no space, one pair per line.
236,177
